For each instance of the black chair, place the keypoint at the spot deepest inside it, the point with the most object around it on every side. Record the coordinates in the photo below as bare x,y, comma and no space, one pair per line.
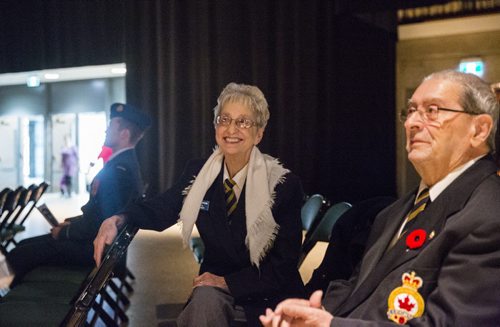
13,227
8,211
36,194
321,233
3,197
347,242
97,282
310,211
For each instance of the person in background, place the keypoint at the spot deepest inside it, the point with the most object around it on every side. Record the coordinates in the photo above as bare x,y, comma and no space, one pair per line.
246,207
116,185
69,164
433,257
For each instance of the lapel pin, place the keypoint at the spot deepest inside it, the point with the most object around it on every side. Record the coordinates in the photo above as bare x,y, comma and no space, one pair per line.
431,235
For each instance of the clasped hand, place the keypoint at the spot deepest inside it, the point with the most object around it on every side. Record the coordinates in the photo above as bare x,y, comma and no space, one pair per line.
208,279
298,312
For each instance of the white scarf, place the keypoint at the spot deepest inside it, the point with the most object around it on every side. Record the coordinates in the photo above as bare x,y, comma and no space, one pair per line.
264,173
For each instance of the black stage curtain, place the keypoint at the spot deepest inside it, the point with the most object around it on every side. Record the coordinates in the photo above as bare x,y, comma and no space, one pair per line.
328,77
44,34
327,72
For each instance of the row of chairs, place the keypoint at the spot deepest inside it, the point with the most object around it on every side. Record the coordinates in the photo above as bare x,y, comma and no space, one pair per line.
69,296
15,208
318,218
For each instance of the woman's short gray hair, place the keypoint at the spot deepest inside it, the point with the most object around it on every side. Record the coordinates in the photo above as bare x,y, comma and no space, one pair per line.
476,97
248,95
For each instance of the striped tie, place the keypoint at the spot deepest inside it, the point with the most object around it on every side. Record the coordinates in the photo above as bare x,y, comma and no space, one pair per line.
418,207
231,200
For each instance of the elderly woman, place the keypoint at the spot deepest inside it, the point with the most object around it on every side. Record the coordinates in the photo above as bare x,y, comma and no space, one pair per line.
246,207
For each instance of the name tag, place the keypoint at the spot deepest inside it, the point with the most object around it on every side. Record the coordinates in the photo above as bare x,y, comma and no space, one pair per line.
205,205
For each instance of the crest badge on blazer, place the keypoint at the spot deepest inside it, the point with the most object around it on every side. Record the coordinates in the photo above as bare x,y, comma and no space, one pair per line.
405,303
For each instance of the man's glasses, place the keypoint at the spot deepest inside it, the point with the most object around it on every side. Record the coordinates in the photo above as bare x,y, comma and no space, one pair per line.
429,113
240,122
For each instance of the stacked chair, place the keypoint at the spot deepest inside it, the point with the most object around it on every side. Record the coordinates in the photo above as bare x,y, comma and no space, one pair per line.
16,207
67,296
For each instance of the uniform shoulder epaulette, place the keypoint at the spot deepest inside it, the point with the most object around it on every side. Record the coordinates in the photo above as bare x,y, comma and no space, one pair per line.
121,168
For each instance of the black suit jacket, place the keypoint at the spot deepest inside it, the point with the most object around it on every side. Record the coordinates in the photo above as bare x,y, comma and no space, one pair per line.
118,183
225,251
459,264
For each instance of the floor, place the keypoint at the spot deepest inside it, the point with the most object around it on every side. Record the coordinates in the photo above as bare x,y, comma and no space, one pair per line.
163,269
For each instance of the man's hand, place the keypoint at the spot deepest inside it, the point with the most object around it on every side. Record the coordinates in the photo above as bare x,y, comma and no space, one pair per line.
106,235
57,229
298,312
208,279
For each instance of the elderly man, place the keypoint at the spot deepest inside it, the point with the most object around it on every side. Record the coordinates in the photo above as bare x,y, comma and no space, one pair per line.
116,185
433,258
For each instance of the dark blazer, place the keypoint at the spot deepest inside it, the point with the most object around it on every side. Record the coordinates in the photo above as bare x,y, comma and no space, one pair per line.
225,251
459,264
118,183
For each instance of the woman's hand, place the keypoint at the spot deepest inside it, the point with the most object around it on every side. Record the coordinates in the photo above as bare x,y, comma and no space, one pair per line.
106,235
208,279
298,312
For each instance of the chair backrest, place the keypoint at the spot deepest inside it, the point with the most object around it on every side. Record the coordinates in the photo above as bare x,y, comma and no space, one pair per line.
324,228
99,277
3,197
36,194
310,209
10,206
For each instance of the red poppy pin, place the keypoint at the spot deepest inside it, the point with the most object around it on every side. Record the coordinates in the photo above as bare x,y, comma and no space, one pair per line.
416,239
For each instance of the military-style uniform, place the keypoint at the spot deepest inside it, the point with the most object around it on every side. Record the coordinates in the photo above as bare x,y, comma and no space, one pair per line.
115,186
442,272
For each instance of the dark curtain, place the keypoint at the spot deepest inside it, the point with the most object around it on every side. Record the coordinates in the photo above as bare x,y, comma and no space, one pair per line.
326,67
328,76
44,34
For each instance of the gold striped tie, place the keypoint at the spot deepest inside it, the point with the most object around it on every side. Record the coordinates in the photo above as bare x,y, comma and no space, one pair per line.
418,207
231,200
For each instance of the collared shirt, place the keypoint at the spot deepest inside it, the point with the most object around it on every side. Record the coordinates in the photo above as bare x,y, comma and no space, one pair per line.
440,186
437,189
239,179
118,152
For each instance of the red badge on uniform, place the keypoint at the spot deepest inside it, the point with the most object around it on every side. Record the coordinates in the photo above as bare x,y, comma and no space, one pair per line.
416,239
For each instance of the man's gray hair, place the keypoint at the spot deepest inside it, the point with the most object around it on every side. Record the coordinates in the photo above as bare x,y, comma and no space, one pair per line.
476,96
248,95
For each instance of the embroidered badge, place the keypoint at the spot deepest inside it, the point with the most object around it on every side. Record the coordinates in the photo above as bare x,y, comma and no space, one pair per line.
119,108
405,302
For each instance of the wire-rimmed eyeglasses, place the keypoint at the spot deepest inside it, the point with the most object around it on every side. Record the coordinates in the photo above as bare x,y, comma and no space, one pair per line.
241,122
429,113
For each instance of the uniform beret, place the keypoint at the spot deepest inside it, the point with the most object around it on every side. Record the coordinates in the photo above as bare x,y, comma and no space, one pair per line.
130,113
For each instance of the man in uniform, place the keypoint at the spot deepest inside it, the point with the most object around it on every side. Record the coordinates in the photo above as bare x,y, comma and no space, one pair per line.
116,185
433,256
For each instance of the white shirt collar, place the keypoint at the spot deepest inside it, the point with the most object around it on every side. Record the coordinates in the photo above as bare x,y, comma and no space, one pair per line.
440,186
239,179
118,152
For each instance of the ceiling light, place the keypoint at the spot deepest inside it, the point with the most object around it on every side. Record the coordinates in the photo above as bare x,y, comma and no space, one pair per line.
119,70
51,76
